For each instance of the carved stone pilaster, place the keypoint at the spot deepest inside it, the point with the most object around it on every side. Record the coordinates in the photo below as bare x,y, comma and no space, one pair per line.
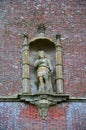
59,69
25,65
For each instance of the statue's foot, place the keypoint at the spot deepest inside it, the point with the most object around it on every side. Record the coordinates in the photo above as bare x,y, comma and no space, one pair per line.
50,91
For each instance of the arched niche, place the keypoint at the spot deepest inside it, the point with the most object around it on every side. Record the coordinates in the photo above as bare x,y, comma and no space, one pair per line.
48,47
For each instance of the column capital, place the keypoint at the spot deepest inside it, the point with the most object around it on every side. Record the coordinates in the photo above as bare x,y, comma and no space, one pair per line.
25,35
25,42
58,40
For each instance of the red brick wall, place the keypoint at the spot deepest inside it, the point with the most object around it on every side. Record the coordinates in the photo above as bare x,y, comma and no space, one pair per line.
67,17
20,116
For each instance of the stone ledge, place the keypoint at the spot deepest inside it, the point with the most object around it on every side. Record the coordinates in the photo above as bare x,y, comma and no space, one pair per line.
48,96
16,99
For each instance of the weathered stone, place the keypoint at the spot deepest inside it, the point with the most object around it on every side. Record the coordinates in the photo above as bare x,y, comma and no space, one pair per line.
25,66
44,72
59,64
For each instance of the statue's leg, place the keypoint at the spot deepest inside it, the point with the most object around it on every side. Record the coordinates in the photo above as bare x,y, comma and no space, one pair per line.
41,84
48,83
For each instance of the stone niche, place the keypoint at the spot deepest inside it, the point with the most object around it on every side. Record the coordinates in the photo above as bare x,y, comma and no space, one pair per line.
49,48
31,83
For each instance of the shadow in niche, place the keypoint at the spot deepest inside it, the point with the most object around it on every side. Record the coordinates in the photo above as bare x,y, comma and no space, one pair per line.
49,48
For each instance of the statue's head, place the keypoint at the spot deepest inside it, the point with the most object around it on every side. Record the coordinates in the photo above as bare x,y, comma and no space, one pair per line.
41,54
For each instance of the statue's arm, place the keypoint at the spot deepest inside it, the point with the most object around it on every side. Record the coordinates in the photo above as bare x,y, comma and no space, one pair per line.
50,65
36,63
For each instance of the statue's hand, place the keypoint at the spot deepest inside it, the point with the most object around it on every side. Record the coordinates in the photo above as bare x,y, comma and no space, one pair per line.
51,72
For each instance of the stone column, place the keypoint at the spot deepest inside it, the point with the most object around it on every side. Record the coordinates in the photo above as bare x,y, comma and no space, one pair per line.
25,65
59,68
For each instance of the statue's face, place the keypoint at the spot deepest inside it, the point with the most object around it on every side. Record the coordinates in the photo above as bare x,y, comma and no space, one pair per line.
41,54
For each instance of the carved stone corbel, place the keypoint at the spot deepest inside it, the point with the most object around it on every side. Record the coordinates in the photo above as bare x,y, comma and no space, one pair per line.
44,101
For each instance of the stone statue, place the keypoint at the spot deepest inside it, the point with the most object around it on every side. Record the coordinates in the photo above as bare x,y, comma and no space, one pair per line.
44,72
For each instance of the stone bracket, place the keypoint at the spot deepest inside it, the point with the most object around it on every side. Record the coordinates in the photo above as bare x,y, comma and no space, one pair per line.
43,101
